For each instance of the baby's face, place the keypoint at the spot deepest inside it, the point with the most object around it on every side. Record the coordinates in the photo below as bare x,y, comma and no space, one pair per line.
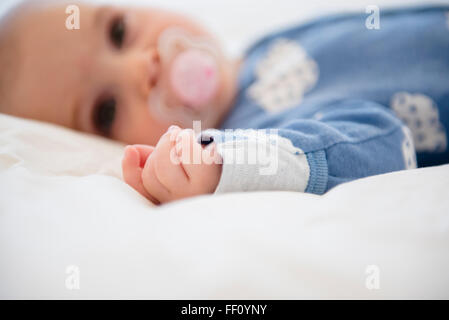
98,79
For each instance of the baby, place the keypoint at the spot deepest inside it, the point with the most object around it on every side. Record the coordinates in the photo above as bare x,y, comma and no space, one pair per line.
306,109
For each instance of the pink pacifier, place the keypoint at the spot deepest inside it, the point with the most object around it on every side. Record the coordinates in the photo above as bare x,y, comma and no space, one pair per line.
194,77
190,79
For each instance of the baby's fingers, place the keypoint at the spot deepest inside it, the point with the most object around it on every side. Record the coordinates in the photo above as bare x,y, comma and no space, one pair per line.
144,152
199,163
167,164
188,150
132,169
153,185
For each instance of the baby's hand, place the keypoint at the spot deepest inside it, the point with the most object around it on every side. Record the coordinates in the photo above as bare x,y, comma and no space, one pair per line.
178,167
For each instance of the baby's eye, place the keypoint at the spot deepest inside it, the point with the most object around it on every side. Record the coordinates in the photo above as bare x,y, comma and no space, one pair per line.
104,115
117,32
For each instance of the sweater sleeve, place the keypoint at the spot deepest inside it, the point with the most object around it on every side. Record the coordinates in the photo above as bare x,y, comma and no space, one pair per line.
343,141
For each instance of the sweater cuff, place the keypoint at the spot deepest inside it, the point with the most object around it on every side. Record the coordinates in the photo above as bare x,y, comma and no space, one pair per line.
263,161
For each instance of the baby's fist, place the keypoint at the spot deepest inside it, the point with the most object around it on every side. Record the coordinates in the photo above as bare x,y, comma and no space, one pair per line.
178,167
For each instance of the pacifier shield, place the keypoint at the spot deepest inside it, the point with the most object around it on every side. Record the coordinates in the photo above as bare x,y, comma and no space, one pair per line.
194,78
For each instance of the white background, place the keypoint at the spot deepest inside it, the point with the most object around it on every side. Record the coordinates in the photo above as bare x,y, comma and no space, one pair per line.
238,22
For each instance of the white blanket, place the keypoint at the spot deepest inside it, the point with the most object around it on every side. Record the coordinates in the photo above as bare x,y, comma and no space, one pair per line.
70,228
63,204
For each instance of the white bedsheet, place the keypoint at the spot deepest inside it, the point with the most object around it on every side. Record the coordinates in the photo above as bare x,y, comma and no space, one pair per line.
62,203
